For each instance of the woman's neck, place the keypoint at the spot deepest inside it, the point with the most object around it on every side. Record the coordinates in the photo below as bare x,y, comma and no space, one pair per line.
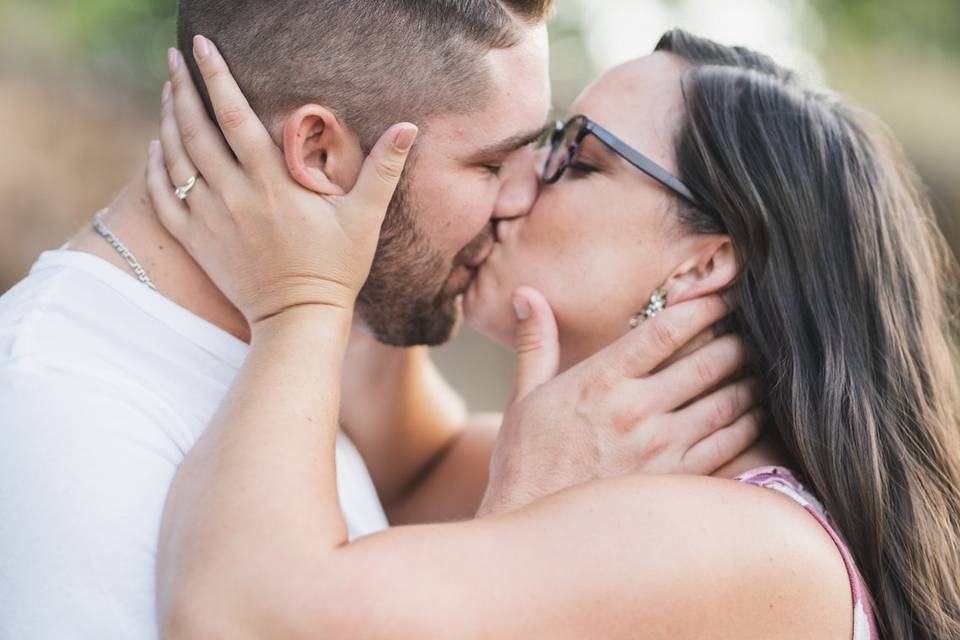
767,451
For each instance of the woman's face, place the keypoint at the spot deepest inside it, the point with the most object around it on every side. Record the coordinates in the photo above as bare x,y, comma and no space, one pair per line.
597,243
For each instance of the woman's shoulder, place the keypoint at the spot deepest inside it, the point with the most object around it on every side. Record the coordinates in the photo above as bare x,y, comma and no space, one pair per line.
660,557
724,545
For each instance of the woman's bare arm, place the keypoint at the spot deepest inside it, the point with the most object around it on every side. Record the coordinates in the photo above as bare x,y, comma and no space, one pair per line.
636,557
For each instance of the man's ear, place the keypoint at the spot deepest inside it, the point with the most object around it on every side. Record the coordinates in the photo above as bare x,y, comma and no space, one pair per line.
711,268
321,154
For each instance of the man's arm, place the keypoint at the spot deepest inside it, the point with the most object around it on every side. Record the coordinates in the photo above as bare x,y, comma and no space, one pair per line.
453,484
429,459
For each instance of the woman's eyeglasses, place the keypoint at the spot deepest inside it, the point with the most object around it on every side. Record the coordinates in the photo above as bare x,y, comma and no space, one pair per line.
565,139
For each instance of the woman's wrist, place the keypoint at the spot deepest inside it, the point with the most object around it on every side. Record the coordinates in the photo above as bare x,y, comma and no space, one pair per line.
321,320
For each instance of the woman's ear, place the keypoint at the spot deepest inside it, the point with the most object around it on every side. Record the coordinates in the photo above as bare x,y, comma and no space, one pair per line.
321,154
711,268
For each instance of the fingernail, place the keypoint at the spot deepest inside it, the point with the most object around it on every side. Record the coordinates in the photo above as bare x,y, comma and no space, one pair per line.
405,138
173,59
522,307
167,92
201,47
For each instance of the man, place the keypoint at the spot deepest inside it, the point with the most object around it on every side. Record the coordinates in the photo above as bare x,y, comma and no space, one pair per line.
106,384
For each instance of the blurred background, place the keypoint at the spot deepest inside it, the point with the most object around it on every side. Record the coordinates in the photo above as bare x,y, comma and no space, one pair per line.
80,85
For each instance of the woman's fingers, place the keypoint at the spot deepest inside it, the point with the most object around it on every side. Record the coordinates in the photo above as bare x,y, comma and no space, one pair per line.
200,136
246,135
173,213
184,219
649,345
722,446
179,165
381,174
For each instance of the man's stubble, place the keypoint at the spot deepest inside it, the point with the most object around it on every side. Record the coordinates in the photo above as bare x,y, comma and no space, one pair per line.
405,301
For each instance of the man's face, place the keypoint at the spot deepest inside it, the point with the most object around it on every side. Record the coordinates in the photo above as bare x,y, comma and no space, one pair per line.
464,175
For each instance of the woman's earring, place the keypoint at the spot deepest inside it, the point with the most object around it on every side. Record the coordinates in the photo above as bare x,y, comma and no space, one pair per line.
658,302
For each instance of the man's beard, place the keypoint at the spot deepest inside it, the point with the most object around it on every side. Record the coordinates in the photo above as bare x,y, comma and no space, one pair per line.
404,301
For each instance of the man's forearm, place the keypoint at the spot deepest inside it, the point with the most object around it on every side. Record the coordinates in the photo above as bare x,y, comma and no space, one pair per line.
453,483
400,413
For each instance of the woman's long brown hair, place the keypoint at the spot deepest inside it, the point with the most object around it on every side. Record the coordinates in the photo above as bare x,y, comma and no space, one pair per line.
845,294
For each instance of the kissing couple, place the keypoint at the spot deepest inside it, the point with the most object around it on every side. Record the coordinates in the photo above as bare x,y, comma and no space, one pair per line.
735,413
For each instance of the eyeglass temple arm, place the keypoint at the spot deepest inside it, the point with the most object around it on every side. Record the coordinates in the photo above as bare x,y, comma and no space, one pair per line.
641,161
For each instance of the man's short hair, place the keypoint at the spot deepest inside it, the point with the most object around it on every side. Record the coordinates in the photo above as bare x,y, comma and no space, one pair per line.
371,62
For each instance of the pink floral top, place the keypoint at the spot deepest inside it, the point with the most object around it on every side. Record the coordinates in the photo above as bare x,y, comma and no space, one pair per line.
783,480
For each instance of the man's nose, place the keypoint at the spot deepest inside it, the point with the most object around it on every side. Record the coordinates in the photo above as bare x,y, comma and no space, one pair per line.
519,185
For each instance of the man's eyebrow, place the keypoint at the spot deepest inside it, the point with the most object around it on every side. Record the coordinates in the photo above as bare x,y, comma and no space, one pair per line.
511,144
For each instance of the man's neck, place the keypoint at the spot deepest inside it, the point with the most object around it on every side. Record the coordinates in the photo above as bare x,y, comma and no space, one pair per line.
177,276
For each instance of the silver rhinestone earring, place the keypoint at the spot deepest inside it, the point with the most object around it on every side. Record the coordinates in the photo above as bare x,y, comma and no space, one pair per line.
658,302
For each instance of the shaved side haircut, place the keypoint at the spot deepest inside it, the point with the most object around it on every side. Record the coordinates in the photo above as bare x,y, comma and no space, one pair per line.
371,62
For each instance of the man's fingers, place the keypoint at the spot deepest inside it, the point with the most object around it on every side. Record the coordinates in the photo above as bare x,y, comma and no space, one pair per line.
721,447
649,345
172,212
697,373
536,342
381,171
719,410
246,135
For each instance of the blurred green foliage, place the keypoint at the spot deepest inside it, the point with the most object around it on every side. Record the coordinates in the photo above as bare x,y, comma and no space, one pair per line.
95,24
129,34
932,25
126,39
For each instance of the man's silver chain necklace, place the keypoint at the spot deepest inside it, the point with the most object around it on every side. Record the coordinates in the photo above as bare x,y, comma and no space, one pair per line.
114,241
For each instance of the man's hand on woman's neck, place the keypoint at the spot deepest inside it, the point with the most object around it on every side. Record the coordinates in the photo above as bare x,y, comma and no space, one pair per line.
177,276
767,450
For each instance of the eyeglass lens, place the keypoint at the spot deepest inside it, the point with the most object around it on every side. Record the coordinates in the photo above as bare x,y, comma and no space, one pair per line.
560,148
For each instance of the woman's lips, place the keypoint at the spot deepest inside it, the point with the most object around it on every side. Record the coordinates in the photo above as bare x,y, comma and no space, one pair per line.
477,261
461,279
465,274
485,266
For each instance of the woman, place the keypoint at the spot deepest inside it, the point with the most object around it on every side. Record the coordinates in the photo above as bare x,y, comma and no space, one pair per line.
722,172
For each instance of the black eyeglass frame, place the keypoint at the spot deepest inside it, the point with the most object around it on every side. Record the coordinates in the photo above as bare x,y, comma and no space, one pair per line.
615,144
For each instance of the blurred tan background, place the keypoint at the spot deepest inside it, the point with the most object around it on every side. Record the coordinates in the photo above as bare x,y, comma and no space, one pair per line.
80,85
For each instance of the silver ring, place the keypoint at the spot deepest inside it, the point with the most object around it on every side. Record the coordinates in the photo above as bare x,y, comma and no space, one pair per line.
182,191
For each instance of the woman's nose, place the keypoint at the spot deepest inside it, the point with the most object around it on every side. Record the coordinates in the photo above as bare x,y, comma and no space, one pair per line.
519,185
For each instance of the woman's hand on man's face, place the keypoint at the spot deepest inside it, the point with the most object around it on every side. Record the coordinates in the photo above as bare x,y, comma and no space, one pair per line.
623,410
267,242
